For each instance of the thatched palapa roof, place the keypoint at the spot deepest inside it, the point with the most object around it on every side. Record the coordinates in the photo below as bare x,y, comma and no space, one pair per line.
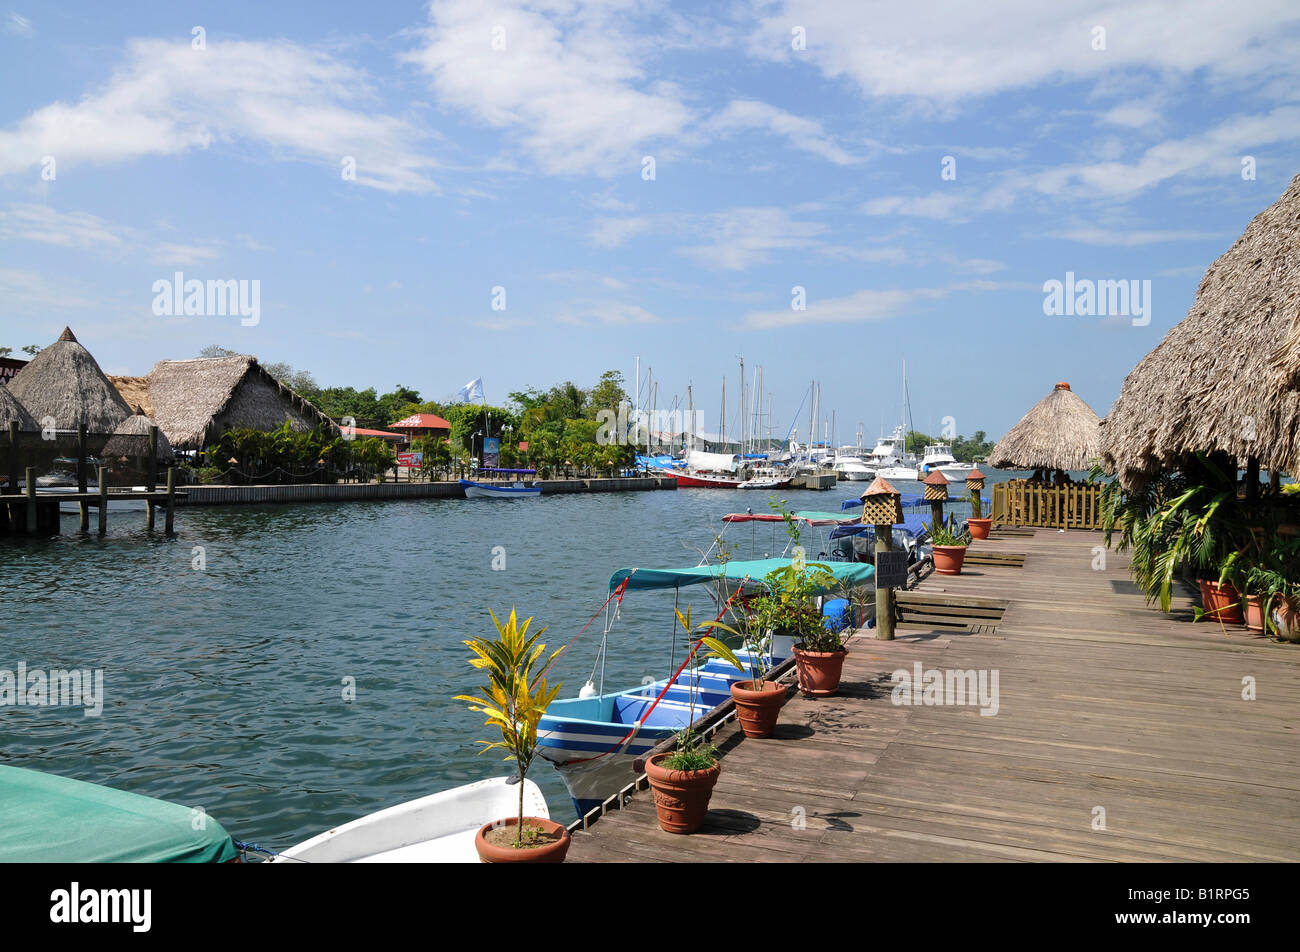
131,439
1227,377
194,401
11,409
135,391
64,382
1060,431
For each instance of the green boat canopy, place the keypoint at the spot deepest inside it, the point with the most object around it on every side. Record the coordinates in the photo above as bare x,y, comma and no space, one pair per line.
846,573
50,819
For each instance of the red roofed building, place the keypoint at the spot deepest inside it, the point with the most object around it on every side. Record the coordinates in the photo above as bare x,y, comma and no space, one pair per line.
422,424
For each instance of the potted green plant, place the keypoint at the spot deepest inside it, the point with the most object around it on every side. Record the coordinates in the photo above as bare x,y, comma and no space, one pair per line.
790,611
683,778
948,547
514,700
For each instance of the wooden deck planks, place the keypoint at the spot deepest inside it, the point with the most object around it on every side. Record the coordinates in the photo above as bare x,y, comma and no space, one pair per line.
1103,702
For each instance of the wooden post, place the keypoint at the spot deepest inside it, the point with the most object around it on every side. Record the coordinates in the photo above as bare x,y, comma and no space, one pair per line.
148,511
103,500
13,458
83,507
171,499
884,596
976,507
936,513
153,465
30,490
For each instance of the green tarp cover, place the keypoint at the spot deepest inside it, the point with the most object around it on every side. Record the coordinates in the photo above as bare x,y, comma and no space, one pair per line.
49,819
831,518
848,573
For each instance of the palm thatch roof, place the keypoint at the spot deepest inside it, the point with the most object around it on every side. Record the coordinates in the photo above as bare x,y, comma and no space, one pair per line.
1060,431
196,400
11,409
64,382
135,391
131,439
1227,377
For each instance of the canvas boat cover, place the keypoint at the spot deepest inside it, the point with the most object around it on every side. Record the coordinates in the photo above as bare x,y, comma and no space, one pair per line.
712,462
846,573
809,516
49,819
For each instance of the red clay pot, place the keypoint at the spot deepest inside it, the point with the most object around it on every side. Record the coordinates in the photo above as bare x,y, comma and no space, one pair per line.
551,853
819,671
681,796
979,528
757,710
1221,602
948,559
1255,612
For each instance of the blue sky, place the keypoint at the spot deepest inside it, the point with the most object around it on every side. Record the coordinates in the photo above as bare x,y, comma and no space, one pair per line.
1115,157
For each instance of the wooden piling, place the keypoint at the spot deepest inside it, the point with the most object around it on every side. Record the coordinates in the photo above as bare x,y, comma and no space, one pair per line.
83,507
153,465
884,596
103,500
171,500
30,491
13,458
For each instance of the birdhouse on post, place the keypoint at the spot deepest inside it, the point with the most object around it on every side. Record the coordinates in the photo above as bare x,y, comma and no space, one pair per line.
975,484
882,507
936,494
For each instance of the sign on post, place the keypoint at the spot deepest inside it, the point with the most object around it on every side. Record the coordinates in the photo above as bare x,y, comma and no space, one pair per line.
891,569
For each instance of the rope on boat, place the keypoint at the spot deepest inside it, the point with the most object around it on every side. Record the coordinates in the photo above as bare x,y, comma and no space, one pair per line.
254,848
614,596
637,726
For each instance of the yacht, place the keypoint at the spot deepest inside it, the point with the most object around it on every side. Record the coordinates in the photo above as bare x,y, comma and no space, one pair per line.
939,456
853,468
890,460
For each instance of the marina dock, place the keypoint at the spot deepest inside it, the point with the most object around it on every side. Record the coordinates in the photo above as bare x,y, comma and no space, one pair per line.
1121,734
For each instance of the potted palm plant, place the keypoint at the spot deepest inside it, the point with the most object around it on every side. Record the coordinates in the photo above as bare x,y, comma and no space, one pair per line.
791,612
683,778
514,700
948,547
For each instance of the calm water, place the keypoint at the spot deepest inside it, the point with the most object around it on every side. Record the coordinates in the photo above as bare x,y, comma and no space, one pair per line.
224,686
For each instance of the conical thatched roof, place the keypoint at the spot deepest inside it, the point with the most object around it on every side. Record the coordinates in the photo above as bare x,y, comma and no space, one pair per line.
64,382
131,439
1227,377
1060,431
194,401
11,409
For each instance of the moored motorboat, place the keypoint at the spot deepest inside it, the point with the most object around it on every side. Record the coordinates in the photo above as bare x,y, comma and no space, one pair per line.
439,828
475,490
939,456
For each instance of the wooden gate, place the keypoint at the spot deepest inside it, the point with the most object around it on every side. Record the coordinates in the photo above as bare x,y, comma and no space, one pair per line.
1022,503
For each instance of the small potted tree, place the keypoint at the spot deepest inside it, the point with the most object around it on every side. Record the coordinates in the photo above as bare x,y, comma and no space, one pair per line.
949,548
683,779
514,700
790,611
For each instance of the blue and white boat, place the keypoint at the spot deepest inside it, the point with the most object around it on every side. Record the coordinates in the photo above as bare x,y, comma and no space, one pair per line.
475,490
593,740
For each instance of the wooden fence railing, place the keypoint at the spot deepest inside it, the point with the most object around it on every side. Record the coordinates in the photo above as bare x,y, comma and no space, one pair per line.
1021,503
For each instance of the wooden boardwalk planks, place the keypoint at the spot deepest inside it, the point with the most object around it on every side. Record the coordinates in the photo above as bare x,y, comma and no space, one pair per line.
1103,703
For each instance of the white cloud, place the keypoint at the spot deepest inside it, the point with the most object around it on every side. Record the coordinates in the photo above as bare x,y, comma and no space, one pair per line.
584,313
613,232
18,25
1136,237
946,52
26,292
743,237
802,133
569,83
167,99
42,223
949,206
859,307
180,255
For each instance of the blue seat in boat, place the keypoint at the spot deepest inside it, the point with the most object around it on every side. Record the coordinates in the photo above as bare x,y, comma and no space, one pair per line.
836,615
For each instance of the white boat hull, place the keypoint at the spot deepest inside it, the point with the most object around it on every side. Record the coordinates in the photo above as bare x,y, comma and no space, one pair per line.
439,828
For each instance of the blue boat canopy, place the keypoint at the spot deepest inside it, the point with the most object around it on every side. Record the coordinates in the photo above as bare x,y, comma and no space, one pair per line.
50,819
846,573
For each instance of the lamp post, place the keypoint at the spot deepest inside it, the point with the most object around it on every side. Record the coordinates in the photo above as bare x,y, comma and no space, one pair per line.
882,507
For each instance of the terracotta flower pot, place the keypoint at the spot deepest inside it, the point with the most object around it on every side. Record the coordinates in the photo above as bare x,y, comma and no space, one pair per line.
681,796
979,528
948,559
550,853
757,710
1255,612
819,671
1221,602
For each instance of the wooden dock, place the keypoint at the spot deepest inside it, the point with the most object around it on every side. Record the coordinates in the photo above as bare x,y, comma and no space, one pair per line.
1121,734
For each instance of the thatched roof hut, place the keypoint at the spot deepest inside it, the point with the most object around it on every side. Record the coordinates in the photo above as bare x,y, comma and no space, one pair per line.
195,401
11,409
1060,431
1227,377
131,439
64,382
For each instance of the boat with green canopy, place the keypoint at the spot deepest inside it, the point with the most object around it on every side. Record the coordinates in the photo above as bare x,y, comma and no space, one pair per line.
593,739
45,818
